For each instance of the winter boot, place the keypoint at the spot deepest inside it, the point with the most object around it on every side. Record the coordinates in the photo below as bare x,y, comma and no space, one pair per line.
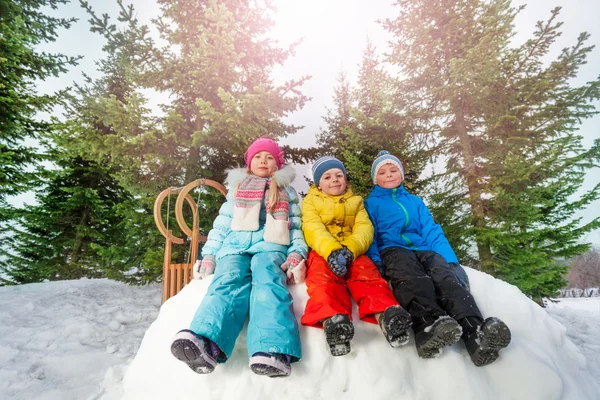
394,323
430,341
338,333
273,365
199,353
483,339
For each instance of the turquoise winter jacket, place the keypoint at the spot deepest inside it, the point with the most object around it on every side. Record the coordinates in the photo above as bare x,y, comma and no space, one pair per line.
402,219
222,241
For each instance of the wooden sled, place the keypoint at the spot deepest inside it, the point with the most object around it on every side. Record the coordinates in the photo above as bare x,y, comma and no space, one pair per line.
176,276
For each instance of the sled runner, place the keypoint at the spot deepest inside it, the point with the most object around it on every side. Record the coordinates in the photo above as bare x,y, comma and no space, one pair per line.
176,276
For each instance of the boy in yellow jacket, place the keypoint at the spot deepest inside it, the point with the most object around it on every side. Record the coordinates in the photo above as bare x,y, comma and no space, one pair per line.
339,232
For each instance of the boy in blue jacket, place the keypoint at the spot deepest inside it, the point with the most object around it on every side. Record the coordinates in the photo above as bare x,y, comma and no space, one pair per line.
414,255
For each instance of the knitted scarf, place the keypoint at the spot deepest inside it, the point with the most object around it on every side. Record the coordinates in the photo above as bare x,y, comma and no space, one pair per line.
246,210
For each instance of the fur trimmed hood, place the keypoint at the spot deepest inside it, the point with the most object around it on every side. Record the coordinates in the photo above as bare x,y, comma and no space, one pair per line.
284,176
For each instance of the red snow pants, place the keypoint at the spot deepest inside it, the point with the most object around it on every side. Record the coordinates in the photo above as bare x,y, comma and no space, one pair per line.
328,293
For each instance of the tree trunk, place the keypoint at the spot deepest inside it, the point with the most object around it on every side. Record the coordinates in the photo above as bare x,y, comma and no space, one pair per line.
74,268
470,174
193,157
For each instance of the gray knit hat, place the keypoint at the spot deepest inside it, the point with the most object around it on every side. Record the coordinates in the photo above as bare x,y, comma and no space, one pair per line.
384,157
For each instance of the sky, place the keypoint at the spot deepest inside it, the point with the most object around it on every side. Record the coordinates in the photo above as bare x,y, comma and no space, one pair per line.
335,33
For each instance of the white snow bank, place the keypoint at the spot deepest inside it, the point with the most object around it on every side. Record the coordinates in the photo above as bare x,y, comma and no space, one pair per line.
70,339
540,363
581,316
591,304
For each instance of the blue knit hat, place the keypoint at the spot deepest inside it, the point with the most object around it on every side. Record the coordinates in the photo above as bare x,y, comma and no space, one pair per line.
384,157
323,165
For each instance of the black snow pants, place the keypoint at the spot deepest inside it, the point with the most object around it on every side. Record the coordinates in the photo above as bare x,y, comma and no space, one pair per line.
425,285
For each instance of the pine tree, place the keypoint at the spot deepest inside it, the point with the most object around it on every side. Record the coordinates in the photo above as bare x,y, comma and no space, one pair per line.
59,237
366,120
23,27
215,70
446,199
219,86
138,243
448,59
506,124
543,164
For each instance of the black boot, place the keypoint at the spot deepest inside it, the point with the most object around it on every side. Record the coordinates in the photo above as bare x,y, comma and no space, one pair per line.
431,339
339,331
470,326
484,339
395,323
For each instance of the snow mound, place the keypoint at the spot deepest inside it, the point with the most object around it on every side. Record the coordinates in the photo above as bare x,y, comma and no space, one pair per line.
540,363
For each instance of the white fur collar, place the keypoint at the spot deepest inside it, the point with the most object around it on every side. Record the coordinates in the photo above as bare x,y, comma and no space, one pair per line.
284,177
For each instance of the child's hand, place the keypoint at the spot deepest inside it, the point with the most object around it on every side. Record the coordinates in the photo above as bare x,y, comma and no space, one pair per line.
339,261
292,260
204,268
291,264
297,274
348,255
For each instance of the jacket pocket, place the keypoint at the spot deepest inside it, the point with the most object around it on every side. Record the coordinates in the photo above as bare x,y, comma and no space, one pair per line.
277,231
245,219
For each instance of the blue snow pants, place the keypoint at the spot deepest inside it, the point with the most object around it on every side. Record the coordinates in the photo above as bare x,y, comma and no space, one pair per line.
249,284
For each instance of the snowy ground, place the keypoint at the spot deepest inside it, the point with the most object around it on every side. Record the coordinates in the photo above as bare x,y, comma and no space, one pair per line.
71,339
590,304
76,339
581,316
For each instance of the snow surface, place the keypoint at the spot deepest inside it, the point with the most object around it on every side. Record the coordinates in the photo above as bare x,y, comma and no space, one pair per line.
75,339
590,304
71,339
540,363
581,316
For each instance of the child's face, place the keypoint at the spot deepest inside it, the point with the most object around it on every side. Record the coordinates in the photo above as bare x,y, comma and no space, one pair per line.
333,182
263,164
389,176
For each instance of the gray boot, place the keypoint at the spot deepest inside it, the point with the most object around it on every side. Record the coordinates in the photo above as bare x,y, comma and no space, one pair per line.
484,340
339,331
395,323
430,340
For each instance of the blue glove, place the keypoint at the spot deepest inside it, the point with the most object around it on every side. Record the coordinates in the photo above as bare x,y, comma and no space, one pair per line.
461,275
339,261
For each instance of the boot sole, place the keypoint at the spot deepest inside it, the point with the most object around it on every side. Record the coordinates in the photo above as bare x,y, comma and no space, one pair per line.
494,336
340,349
396,328
338,335
186,350
270,367
445,334
268,370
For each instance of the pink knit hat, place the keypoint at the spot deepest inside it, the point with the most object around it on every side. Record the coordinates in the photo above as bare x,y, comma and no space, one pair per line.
264,144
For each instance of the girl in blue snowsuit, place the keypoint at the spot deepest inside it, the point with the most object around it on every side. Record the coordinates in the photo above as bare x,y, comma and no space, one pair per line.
256,245
414,255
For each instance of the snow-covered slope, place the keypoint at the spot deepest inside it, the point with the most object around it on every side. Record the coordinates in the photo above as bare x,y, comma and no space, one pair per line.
540,363
71,339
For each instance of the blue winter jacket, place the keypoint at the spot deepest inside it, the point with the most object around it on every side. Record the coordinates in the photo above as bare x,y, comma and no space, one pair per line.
402,219
222,241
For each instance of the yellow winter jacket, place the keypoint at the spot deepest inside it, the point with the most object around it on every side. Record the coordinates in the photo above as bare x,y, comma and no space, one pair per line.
330,222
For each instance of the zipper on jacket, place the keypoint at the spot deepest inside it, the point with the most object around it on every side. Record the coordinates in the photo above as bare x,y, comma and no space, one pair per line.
408,242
